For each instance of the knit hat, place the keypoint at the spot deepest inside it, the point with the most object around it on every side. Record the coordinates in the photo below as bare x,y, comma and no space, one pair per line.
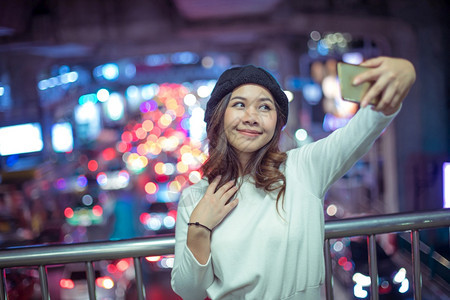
237,76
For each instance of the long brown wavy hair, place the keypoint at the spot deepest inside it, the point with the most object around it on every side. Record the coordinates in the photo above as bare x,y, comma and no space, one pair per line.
263,167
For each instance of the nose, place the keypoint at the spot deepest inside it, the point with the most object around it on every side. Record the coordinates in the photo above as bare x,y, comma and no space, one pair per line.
250,117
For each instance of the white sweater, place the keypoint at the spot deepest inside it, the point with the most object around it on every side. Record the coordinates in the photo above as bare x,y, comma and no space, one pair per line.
255,253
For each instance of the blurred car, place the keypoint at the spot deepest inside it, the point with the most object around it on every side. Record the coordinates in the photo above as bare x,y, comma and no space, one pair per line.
159,218
84,215
352,269
74,283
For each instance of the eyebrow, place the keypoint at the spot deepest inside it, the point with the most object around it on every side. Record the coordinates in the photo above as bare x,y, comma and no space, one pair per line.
263,99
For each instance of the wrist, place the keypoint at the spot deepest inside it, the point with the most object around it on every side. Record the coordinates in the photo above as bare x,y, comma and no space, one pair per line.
391,110
200,225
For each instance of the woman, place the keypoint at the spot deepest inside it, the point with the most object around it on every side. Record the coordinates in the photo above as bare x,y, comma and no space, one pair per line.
253,228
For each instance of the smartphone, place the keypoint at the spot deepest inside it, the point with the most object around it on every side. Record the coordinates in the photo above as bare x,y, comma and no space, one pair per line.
350,92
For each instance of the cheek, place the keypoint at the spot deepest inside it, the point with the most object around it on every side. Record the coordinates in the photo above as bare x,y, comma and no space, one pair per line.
270,123
231,119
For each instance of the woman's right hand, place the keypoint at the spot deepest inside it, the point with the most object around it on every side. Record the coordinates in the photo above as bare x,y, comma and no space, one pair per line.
213,207
210,211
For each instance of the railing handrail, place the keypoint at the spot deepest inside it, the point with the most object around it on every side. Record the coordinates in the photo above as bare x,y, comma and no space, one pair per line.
160,245
88,251
378,224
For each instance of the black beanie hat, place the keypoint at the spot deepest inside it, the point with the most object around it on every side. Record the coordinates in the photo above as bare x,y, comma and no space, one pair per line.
237,76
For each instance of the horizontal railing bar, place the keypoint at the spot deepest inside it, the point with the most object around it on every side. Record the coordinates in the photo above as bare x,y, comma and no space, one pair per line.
387,223
91,251
160,245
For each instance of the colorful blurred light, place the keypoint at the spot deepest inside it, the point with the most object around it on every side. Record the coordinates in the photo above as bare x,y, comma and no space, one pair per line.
102,179
153,258
182,167
110,71
174,186
195,176
142,149
92,98
123,147
68,212
446,183
127,137
115,107
151,188
141,133
165,121
143,218
61,184
109,154
87,200
160,168
62,137
92,165
66,284
97,210
124,176
82,181
123,265
147,125
102,95
169,222
105,282
132,92
190,99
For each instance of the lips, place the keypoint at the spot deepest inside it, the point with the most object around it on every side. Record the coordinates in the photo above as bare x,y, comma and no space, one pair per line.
249,132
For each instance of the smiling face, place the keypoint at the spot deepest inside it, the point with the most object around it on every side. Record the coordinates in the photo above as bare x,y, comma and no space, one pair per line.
250,120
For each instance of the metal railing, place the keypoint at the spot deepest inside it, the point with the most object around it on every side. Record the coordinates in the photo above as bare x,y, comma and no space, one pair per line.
43,256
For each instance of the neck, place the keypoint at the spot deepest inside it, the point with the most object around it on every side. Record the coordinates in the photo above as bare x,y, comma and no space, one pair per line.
244,158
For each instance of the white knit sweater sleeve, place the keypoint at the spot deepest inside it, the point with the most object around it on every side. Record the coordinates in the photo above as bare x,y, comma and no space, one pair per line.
190,279
323,162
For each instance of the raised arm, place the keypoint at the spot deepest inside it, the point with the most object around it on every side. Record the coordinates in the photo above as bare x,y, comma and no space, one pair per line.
325,161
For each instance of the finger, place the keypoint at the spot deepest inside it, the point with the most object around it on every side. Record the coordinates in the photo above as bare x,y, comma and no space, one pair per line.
396,100
375,90
388,95
370,75
390,106
229,194
224,188
232,204
213,185
373,62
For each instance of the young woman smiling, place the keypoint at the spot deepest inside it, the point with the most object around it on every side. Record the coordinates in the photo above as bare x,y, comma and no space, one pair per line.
253,227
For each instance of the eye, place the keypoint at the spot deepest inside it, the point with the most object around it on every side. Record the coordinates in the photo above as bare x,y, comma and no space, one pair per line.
238,104
265,107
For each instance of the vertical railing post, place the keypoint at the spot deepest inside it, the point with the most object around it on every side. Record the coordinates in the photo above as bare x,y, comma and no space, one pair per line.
417,279
139,281
3,291
44,282
90,274
373,268
328,271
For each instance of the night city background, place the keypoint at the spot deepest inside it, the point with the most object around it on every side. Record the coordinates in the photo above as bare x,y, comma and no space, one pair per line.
101,124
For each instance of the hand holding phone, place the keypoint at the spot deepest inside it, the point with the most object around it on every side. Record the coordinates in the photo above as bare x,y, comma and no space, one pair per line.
388,81
349,91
